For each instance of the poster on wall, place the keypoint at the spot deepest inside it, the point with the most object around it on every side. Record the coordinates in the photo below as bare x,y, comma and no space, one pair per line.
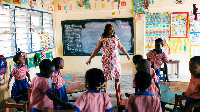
194,24
179,45
179,24
195,38
195,51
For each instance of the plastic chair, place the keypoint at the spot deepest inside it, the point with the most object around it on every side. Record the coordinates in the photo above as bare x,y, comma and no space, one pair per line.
163,75
15,105
179,100
120,102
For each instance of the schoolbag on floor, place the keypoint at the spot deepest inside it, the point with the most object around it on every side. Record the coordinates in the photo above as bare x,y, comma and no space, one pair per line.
3,65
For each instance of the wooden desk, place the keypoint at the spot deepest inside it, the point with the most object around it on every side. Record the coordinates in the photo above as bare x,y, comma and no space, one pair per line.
177,64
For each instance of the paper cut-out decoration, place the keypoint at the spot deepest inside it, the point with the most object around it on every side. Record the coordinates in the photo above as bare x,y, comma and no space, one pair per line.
52,1
59,7
9,1
103,5
87,5
2,6
195,11
38,1
146,4
138,7
82,3
31,4
70,7
123,3
119,6
179,1
140,16
16,2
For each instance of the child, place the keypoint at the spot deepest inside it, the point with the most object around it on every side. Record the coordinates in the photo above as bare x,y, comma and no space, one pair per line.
157,57
143,100
144,64
41,95
19,72
193,91
136,58
94,99
58,83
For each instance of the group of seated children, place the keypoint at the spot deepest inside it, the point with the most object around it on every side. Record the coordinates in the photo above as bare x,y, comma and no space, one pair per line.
95,99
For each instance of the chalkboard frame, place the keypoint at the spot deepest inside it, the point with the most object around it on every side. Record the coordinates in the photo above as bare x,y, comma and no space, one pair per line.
83,22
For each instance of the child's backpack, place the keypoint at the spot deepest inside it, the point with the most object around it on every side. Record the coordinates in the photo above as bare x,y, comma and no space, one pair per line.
37,59
24,55
3,65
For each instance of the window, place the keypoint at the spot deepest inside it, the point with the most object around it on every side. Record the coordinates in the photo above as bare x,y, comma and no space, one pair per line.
27,29
7,32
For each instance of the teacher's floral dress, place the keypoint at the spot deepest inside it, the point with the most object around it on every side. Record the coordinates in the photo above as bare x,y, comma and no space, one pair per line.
110,58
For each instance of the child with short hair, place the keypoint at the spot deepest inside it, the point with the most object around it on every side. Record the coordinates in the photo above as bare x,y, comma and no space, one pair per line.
136,58
144,64
94,99
58,83
143,100
193,91
157,57
19,72
41,95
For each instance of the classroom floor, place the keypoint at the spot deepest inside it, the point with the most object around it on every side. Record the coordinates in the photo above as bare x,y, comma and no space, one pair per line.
126,87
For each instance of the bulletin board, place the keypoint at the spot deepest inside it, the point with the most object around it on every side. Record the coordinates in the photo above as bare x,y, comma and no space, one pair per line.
179,24
80,37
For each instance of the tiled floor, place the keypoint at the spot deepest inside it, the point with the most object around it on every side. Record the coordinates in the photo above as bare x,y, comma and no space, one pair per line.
126,87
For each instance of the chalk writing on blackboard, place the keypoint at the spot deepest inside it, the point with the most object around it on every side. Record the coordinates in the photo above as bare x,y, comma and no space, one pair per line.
80,37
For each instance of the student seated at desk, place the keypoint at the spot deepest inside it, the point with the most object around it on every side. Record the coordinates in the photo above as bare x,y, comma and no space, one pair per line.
157,57
143,100
193,91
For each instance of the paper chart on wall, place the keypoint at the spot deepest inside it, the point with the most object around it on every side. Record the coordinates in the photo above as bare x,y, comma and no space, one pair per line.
194,24
179,45
157,26
178,25
195,51
195,39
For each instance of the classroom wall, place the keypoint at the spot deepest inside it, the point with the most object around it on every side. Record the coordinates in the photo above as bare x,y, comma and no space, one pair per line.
6,94
76,64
